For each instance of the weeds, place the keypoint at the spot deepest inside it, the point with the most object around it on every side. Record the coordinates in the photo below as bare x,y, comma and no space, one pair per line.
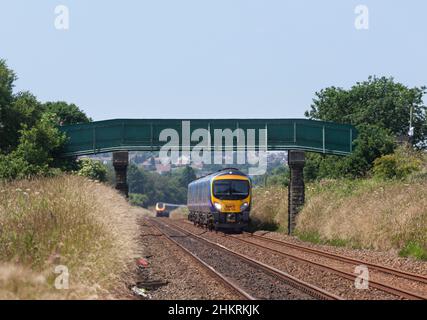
65,220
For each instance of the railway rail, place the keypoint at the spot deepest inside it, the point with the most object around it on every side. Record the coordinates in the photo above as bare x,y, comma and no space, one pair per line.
347,275
273,278
385,287
222,279
384,269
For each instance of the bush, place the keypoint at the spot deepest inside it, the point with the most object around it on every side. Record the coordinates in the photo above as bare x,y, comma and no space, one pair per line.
92,169
398,165
36,153
137,199
279,177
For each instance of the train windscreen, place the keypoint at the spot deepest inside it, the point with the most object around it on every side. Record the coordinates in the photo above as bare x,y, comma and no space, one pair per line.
231,189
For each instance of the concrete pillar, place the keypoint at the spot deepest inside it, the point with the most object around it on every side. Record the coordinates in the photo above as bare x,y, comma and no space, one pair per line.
296,189
120,163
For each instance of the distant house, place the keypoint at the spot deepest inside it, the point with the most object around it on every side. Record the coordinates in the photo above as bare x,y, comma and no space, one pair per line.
161,168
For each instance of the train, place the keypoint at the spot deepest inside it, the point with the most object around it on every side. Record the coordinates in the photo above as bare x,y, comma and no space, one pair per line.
221,200
164,209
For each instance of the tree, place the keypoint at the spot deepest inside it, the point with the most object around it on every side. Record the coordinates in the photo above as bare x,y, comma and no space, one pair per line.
279,176
37,151
25,111
30,142
380,110
187,176
378,101
170,188
136,179
66,113
7,134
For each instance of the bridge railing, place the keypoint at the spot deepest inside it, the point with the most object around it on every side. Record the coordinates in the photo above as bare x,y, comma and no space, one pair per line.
144,134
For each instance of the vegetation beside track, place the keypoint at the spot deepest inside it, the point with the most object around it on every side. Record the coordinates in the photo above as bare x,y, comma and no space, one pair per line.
385,211
70,221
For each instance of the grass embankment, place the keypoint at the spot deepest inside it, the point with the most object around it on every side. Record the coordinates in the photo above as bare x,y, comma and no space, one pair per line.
270,209
180,213
70,221
365,213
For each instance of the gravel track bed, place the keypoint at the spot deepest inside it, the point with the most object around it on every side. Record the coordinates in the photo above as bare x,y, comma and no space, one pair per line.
254,281
327,280
385,258
375,275
187,280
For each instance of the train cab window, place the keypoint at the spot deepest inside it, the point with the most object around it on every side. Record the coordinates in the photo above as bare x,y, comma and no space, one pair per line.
231,189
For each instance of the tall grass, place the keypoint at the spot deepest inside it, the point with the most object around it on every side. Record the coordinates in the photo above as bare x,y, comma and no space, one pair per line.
368,213
180,213
270,208
364,213
71,221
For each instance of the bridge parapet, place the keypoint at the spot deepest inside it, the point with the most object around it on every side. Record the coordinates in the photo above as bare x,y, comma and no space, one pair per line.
146,135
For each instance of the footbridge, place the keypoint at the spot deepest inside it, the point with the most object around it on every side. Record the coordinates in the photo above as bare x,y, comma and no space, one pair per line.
294,135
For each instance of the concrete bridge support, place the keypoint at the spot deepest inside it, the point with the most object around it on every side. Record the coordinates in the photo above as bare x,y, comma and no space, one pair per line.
120,163
296,189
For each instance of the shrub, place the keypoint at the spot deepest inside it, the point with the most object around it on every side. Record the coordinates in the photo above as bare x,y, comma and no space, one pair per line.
137,199
398,165
92,169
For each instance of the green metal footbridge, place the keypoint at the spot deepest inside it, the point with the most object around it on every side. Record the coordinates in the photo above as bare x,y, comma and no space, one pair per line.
144,134
296,135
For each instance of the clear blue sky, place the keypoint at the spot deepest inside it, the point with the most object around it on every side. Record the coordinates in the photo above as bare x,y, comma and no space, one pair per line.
207,58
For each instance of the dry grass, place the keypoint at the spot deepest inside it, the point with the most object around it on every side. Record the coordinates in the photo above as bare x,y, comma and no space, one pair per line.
180,213
367,213
270,208
71,221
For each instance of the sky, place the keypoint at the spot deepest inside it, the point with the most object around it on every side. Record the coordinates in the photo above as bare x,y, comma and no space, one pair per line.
208,58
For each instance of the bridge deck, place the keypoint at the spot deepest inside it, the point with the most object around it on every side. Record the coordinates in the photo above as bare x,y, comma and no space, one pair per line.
144,134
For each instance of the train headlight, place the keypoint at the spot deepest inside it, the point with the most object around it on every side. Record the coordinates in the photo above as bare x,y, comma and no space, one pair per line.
218,206
244,206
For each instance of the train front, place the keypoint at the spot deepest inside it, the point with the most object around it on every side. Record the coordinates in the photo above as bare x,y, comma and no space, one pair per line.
231,198
161,210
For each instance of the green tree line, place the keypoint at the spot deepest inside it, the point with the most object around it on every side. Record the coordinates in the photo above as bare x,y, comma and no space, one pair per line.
146,188
380,109
30,141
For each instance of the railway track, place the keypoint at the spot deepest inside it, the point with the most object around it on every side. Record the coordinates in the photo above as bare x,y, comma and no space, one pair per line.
256,280
385,269
348,275
392,289
227,282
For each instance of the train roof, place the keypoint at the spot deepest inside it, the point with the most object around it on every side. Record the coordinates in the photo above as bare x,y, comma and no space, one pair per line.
222,172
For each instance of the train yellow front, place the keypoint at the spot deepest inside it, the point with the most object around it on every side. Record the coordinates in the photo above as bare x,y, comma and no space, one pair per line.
221,200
